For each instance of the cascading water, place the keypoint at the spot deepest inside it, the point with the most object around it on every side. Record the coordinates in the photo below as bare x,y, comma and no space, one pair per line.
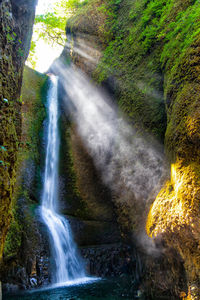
68,264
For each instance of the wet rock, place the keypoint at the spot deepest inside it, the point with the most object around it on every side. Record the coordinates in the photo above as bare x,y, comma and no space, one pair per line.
10,288
111,260
88,232
43,270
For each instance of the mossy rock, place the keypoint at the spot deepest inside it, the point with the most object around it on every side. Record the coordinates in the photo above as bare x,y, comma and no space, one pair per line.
23,235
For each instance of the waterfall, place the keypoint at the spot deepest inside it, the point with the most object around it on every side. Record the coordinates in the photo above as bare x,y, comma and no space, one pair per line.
131,164
68,264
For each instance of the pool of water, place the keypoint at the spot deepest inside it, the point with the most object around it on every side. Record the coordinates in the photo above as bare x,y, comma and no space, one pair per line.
105,289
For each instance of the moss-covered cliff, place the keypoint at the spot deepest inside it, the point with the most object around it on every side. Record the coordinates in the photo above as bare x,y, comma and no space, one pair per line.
16,21
23,243
150,51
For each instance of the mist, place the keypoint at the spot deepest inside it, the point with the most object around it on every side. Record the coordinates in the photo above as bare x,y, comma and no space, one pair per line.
129,164
122,156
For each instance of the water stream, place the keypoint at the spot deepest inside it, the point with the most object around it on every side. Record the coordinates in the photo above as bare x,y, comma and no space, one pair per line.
68,264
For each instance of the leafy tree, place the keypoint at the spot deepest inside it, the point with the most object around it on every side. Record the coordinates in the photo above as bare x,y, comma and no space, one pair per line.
51,26
69,7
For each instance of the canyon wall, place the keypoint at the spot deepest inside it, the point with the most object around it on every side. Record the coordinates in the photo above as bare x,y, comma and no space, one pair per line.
16,21
26,245
146,53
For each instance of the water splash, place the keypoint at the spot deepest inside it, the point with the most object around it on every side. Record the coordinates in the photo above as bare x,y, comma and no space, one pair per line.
68,264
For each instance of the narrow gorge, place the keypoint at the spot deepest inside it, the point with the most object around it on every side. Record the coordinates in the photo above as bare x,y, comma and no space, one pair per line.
100,153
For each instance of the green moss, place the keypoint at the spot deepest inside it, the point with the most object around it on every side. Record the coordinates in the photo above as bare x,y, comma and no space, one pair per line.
33,97
139,82
24,203
154,36
13,238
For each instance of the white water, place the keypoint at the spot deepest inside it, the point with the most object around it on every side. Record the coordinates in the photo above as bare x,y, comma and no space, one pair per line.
68,264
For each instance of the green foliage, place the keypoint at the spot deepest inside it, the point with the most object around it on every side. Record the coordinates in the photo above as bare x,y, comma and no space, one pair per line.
32,59
173,24
155,35
51,26
110,9
9,37
141,39
70,7
159,21
180,35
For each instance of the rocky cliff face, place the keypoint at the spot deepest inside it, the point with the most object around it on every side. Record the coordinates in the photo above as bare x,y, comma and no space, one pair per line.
174,213
149,51
26,247
83,196
16,21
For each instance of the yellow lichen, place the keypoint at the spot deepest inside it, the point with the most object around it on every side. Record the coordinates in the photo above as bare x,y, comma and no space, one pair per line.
175,204
175,214
193,125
